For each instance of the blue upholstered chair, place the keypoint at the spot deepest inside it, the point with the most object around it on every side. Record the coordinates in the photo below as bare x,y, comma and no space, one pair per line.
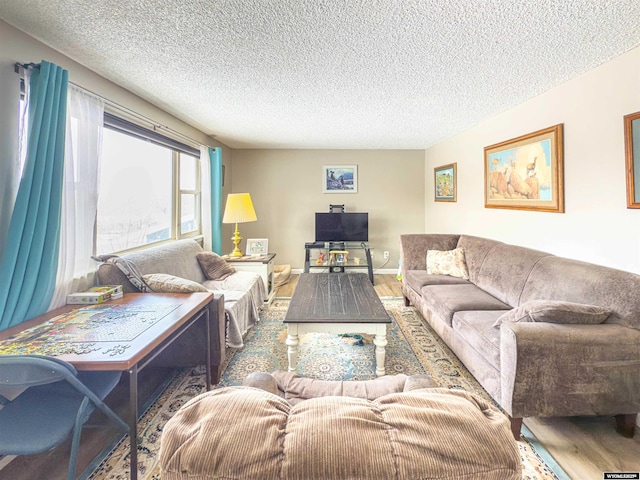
57,401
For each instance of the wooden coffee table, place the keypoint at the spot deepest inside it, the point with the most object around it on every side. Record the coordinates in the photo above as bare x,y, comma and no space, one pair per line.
336,303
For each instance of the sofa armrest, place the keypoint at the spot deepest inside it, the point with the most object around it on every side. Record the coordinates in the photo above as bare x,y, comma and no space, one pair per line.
413,248
109,274
218,327
561,370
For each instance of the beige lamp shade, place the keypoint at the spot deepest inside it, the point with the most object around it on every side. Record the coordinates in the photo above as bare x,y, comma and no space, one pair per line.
239,209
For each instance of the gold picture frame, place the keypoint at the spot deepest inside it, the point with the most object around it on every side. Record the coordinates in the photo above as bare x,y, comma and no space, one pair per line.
632,153
527,172
445,182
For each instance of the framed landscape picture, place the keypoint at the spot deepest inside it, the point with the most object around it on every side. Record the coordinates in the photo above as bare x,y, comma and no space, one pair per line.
340,179
526,173
632,155
445,183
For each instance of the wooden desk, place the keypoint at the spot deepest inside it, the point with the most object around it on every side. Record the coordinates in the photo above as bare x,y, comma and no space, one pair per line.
336,303
124,334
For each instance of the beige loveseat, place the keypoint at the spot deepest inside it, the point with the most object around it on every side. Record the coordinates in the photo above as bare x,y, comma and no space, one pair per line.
234,309
412,433
561,364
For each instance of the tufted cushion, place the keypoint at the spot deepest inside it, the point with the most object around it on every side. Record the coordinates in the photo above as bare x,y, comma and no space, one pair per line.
436,433
295,389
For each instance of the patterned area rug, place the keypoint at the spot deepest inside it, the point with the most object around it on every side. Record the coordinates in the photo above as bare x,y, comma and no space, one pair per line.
412,348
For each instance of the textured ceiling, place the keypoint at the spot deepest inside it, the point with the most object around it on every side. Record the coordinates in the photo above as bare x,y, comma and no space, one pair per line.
333,74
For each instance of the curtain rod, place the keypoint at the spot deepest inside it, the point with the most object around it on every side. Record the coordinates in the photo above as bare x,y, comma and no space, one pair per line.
20,67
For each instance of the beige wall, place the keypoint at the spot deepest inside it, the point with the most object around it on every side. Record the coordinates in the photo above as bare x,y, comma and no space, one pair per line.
286,188
596,226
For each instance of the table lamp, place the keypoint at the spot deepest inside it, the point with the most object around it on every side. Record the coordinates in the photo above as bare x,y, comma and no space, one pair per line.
239,209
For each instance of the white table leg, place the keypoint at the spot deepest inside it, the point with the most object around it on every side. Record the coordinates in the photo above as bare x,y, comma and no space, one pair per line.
292,341
380,341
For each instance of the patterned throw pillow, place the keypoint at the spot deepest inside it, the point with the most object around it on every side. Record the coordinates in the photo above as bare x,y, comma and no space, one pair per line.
447,262
164,283
214,266
554,312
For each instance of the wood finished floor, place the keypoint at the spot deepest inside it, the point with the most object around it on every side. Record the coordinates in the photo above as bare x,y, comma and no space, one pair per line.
584,447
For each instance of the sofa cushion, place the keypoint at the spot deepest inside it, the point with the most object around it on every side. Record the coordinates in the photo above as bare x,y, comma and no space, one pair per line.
214,266
416,279
162,282
295,389
476,327
475,251
447,262
554,312
445,300
432,433
506,269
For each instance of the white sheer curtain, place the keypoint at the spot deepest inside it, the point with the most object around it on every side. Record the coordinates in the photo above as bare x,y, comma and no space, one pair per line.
80,194
13,126
205,202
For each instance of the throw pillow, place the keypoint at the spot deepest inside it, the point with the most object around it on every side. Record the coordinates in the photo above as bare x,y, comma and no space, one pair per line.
214,266
165,283
554,312
447,262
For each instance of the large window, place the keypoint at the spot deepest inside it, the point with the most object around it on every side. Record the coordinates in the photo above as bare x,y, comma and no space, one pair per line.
149,189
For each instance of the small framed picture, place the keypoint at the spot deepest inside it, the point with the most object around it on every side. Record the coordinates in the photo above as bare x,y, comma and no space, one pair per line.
340,179
257,246
445,183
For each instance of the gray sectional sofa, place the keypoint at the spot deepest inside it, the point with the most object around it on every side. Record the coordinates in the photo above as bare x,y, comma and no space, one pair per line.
533,368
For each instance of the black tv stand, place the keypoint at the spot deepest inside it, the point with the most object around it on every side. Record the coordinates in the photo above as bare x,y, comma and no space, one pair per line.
324,260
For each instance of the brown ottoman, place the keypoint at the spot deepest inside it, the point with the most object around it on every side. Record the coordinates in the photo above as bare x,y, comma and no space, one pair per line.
249,433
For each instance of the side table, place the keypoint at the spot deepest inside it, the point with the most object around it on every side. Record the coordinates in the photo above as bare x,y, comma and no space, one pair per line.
262,265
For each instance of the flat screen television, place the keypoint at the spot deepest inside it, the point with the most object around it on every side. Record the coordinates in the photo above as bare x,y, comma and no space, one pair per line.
342,227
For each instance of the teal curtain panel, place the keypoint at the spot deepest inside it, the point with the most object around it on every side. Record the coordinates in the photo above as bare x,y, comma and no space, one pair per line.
215,154
29,263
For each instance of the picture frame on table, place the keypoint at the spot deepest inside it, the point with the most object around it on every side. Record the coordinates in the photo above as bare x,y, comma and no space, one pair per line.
445,182
632,158
340,179
257,246
527,172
